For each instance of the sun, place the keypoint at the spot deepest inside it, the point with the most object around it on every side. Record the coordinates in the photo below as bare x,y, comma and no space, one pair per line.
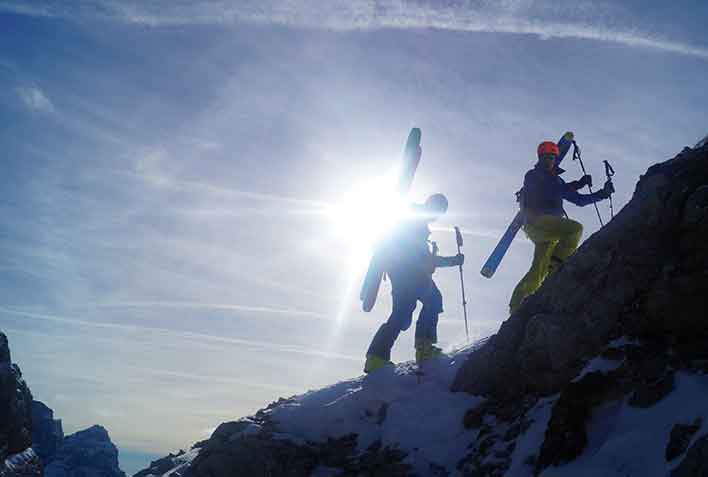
366,214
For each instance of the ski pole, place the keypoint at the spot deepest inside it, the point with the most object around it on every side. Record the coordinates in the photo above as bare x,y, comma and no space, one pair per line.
458,237
576,156
609,172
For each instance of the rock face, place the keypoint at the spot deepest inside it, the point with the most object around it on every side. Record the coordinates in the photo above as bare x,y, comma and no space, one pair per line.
87,453
619,331
47,433
16,456
255,448
644,275
15,406
644,279
30,437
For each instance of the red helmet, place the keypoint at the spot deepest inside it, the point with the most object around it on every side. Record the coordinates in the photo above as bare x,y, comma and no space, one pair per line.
548,147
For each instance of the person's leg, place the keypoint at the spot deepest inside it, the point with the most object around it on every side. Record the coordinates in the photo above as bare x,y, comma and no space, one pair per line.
569,234
556,238
426,326
566,232
400,320
426,332
535,276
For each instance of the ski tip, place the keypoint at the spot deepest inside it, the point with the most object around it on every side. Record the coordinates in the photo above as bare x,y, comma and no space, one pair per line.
414,136
487,272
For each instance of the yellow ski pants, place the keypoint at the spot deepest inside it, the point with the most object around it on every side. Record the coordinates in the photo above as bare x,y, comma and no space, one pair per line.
555,239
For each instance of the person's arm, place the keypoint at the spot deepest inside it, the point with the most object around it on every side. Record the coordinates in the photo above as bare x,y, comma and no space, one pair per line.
580,183
454,261
581,200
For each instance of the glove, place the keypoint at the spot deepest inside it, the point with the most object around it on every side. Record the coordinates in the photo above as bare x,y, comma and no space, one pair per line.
607,190
569,136
459,259
585,180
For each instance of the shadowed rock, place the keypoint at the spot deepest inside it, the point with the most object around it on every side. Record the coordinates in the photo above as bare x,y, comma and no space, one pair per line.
645,274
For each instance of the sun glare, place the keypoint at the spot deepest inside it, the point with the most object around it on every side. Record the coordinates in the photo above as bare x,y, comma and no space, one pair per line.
366,213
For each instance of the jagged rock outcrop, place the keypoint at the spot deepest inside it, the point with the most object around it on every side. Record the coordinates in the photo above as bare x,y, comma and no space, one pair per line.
644,275
163,465
47,432
16,456
32,442
256,448
620,330
696,462
87,453
643,278
15,405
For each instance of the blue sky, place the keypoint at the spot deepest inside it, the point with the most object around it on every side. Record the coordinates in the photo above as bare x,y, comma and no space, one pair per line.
166,261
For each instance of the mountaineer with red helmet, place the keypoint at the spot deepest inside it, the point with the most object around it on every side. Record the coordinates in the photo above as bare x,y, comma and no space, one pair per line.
554,235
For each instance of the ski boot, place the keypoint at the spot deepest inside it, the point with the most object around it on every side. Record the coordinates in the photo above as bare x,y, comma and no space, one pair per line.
425,350
374,362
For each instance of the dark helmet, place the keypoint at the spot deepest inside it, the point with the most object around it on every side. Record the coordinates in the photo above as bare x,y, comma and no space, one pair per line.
436,205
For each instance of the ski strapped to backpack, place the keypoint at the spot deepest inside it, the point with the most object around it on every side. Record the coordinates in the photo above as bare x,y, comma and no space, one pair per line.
492,263
495,258
375,272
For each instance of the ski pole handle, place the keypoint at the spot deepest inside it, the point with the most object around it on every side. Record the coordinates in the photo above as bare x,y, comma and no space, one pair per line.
458,238
609,171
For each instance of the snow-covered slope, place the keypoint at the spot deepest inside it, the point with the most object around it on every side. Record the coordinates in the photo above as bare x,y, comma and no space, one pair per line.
424,423
396,408
416,414
602,372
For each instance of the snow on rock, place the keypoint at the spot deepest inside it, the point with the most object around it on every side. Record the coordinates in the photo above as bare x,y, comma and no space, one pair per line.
603,372
173,465
393,406
16,456
625,440
617,328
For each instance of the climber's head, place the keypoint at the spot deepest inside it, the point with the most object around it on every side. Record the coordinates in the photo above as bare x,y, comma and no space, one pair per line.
434,206
548,153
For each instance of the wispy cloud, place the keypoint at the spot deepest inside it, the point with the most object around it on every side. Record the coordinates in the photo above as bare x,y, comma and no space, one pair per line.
514,17
35,99
179,334
203,306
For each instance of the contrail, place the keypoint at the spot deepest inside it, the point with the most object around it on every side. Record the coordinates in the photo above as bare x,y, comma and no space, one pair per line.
200,306
351,15
167,372
182,334
177,183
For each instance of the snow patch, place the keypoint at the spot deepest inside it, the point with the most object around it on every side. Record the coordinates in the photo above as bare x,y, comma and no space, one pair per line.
624,440
598,364
529,443
417,414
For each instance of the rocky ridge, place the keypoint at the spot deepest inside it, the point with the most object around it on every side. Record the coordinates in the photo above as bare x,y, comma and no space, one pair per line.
86,453
642,279
16,456
32,442
608,355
